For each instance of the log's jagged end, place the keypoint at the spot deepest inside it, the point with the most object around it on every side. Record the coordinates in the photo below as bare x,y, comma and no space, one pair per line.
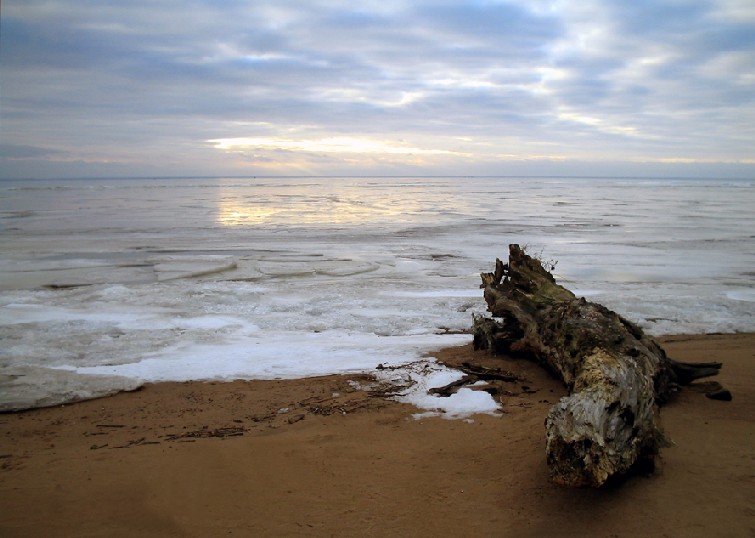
617,376
606,426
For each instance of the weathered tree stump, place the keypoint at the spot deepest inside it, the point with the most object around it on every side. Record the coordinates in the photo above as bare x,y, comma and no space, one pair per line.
616,375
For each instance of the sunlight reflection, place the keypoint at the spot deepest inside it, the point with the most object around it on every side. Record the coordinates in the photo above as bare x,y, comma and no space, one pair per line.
230,214
298,204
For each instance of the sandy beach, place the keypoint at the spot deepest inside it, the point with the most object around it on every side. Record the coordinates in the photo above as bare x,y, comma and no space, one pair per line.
322,457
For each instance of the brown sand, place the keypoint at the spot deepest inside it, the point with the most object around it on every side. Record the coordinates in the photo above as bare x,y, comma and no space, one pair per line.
219,459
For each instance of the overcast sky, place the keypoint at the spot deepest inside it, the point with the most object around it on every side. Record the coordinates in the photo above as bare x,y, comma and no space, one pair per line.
387,87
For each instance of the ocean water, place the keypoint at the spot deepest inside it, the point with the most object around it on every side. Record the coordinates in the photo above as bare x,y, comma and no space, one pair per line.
106,284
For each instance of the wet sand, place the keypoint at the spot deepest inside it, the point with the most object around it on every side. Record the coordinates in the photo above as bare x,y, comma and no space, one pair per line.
319,457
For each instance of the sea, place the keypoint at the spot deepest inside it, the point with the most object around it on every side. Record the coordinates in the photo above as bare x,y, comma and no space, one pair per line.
107,284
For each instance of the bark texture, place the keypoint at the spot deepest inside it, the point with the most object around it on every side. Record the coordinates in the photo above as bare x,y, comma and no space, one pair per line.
616,375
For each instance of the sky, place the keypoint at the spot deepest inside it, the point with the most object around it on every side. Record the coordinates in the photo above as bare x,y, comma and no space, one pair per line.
93,88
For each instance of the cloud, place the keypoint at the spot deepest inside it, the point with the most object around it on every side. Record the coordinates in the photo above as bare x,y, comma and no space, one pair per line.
13,151
146,85
326,145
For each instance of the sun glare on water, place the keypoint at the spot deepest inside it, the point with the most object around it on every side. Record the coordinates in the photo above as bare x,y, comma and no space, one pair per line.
312,206
325,203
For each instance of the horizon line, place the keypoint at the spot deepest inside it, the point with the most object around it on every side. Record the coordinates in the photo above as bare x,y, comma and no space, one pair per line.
377,176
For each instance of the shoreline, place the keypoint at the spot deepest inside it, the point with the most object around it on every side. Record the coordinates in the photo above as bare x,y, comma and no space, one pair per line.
320,456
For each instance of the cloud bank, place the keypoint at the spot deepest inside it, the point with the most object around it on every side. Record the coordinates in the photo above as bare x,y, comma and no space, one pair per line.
392,87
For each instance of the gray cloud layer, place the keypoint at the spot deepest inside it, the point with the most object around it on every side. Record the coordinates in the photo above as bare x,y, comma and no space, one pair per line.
211,87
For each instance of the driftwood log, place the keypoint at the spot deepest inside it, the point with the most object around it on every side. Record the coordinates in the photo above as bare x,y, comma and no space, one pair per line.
616,375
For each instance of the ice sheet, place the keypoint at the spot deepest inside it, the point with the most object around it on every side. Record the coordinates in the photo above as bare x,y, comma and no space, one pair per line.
274,356
743,294
217,278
